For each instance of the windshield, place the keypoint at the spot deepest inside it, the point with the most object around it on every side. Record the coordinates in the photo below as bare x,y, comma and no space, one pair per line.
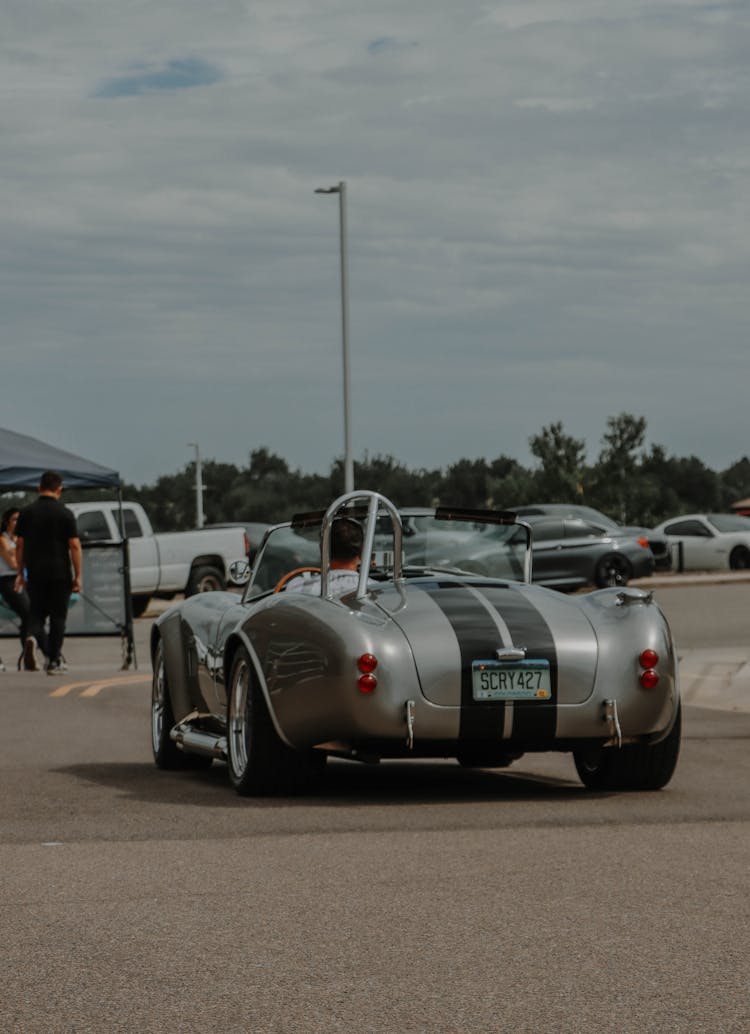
493,550
729,522
485,549
286,549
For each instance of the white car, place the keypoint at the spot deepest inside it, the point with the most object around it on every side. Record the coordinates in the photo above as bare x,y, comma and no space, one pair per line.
708,541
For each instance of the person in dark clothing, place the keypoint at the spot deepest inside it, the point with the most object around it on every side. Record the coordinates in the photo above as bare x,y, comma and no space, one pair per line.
48,557
17,601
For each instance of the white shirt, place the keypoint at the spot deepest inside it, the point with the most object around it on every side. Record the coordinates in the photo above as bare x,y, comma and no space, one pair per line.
340,580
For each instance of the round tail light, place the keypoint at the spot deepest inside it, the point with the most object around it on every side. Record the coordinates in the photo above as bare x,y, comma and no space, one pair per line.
649,678
649,659
367,663
367,683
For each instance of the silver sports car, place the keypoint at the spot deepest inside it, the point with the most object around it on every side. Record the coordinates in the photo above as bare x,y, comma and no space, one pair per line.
427,661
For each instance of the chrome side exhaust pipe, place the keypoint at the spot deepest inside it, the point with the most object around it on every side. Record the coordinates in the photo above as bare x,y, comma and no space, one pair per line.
199,742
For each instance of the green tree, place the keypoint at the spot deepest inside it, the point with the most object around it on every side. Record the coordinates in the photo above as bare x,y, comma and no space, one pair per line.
465,484
561,458
392,479
735,483
617,471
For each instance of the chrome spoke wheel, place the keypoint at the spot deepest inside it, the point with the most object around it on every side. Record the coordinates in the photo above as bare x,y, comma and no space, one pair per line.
238,719
166,753
158,705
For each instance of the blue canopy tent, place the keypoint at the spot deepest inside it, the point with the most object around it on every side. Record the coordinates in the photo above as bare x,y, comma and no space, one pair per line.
23,460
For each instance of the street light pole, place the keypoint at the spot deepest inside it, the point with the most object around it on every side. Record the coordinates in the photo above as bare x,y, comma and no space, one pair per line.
199,519
348,460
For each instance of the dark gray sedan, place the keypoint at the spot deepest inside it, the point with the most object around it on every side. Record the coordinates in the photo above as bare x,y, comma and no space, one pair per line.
571,553
656,540
567,554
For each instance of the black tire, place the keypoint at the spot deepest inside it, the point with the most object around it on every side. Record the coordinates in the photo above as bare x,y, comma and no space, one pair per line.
613,570
166,752
739,558
204,579
140,605
632,767
259,763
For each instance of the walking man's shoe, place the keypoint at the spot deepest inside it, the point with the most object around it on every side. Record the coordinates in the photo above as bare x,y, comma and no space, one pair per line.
30,662
57,667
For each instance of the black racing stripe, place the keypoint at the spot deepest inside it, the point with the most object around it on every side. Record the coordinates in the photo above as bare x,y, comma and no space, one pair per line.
478,639
532,721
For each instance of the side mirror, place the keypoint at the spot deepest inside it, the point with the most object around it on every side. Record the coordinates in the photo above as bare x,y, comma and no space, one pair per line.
239,572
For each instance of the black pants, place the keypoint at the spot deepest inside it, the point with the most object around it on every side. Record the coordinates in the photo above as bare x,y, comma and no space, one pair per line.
17,601
49,599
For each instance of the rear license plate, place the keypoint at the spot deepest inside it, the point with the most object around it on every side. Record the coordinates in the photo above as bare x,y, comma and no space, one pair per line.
511,680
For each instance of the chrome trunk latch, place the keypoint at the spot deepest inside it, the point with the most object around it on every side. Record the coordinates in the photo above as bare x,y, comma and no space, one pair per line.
410,705
628,597
610,715
511,653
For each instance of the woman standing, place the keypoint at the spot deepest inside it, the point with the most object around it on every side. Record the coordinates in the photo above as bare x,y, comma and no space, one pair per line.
17,601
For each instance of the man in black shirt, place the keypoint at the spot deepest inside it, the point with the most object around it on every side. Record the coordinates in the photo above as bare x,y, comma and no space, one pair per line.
48,553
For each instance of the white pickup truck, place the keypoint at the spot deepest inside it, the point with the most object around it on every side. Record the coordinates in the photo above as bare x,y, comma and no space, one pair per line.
164,564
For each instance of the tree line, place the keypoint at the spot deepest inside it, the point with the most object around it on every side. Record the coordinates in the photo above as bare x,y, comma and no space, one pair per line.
629,482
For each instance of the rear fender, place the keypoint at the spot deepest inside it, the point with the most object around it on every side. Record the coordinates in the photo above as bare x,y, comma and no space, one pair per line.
237,639
627,622
168,630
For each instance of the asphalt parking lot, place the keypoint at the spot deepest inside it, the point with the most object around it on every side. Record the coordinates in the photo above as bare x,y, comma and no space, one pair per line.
402,898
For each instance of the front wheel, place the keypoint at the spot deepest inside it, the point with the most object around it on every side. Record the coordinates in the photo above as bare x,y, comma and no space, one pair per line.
635,766
166,752
612,571
258,761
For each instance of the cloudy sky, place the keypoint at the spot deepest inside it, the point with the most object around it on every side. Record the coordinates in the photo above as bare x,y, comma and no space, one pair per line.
548,220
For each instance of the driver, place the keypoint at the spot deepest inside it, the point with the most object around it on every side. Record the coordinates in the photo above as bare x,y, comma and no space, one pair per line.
347,537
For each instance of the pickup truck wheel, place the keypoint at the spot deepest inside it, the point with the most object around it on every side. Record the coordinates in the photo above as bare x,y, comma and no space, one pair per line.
635,766
204,579
140,605
258,761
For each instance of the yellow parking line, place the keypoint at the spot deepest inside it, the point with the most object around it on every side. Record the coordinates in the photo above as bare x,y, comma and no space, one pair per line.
62,691
91,689
97,687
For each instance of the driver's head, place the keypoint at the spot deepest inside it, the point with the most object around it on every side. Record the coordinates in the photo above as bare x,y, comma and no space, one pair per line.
347,537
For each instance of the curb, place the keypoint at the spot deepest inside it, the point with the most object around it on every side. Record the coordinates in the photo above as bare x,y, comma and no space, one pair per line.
675,580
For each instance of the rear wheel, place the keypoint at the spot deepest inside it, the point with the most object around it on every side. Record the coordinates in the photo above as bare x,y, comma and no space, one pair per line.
613,570
258,761
204,579
635,766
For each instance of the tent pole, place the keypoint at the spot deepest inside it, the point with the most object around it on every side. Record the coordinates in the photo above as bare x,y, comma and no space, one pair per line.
130,657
